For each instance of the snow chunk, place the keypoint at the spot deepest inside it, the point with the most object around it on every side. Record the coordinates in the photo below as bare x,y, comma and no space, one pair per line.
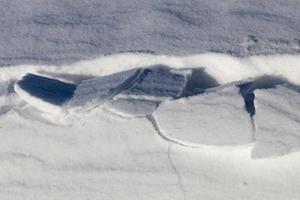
132,107
277,121
213,118
158,82
154,84
96,91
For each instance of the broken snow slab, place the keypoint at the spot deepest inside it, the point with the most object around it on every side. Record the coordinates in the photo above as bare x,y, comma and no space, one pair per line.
157,83
96,91
277,121
153,84
217,117
45,94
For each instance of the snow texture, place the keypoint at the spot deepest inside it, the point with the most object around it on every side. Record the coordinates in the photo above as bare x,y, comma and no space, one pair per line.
96,91
157,82
219,60
56,32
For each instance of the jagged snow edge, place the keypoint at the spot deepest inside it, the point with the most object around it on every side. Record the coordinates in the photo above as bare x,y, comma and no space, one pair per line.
224,68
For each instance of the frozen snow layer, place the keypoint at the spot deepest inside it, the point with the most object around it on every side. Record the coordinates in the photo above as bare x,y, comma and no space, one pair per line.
277,121
213,118
158,82
96,91
52,32
155,83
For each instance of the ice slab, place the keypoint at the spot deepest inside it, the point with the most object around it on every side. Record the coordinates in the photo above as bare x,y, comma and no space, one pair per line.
158,82
277,121
213,118
96,91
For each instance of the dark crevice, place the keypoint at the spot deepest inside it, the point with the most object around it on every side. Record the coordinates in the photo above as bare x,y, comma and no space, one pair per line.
264,82
198,81
47,89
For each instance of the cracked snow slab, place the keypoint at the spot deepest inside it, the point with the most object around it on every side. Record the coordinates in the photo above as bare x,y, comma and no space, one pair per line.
96,91
217,117
158,82
134,92
277,121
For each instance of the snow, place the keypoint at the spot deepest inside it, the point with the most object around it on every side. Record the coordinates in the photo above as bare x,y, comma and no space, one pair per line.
132,107
214,118
58,32
277,121
96,91
185,133
174,100
157,81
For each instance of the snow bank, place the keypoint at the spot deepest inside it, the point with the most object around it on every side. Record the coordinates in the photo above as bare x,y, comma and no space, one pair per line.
213,118
223,68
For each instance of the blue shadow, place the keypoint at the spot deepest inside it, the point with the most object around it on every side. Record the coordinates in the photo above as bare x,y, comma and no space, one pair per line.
47,89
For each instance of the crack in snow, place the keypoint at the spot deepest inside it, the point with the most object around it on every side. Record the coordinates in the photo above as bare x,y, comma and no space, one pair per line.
179,177
154,123
253,128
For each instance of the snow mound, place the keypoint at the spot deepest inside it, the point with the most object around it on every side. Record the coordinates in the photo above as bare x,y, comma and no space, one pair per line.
213,118
277,121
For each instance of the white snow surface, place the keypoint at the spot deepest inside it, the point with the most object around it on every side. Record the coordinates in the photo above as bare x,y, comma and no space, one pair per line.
214,118
100,154
277,120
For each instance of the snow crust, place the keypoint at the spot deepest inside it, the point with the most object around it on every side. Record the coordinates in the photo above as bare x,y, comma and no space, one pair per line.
214,118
